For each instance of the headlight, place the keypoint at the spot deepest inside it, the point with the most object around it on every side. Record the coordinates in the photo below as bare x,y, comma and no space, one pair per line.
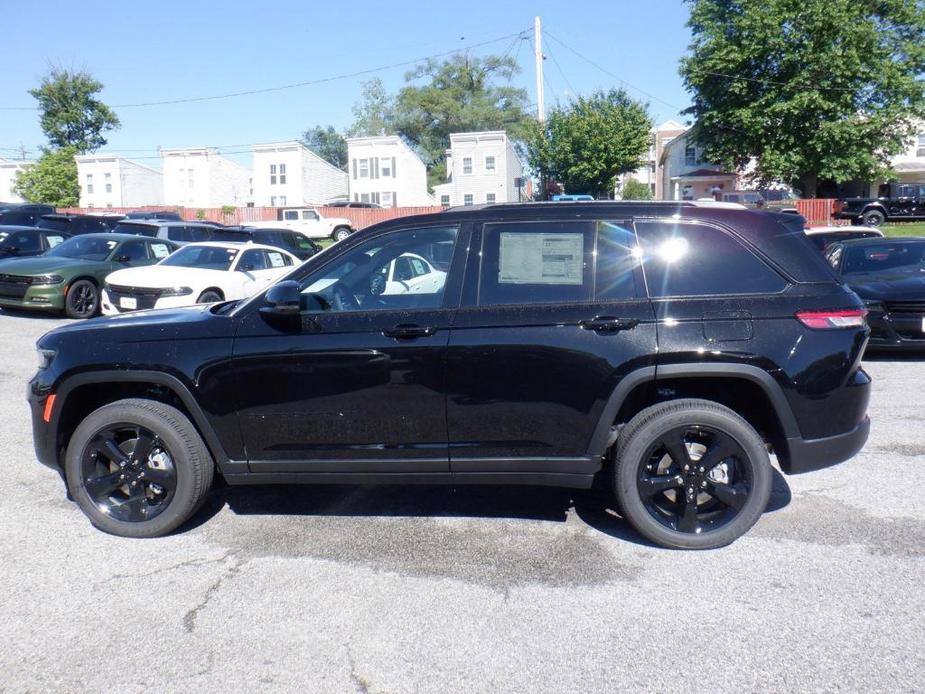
44,357
48,279
176,291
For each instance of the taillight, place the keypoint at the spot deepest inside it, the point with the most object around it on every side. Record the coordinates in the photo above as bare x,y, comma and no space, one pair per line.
830,320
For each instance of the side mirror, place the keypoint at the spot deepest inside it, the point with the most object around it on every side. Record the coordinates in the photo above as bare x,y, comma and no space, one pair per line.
245,267
283,299
123,259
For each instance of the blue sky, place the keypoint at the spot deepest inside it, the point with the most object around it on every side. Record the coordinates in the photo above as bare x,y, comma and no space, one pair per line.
162,50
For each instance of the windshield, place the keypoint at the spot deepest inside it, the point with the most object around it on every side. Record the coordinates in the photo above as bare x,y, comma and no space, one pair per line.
84,248
885,257
203,257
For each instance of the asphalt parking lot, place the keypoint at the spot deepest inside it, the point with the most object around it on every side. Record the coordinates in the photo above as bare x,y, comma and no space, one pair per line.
415,589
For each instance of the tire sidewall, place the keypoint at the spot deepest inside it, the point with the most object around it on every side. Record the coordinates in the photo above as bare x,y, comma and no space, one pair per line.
70,292
208,292
629,458
183,503
340,234
874,218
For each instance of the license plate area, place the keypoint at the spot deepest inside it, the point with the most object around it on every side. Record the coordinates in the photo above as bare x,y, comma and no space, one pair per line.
129,302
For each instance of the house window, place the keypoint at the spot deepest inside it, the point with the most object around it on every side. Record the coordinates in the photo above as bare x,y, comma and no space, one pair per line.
282,200
189,178
467,199
272,176
467,165
364,197
490,198
445,200
364,169
89,184
387,198
690,156
108,178
489,164
387,167
920,151
282,175
272,201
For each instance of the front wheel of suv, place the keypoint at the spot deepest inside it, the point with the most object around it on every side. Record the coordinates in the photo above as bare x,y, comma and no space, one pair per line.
340,233
691,474
138,468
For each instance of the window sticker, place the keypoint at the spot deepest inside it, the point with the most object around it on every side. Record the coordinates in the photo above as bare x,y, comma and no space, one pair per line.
160,250
541,258
111,244
54,240
276,260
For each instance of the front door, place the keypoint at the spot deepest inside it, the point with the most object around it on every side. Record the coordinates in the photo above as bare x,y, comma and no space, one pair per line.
552,320
360,387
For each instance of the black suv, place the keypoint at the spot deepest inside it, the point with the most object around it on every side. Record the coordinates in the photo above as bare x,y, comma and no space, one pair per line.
668,346
895,202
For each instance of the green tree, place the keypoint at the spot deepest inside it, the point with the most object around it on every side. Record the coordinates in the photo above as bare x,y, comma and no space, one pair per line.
374,114
462,93
51,180
328,144
635,190
813,90
585,145
71,116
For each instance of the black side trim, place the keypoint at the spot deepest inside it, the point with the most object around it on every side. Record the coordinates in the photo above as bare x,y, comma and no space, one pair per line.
158,378
355,466
570,466
494,478
815,454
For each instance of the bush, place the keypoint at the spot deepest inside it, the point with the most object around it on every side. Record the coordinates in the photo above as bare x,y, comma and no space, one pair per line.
636,190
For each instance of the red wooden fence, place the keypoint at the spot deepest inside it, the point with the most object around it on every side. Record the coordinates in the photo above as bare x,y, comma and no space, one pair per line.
818,211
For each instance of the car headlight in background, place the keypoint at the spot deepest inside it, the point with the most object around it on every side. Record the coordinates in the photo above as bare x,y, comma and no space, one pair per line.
44,357
47,279
176,291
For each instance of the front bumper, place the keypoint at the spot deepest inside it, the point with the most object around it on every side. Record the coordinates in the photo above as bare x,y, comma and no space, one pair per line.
807,455
41,298
891,330
43,438
109,307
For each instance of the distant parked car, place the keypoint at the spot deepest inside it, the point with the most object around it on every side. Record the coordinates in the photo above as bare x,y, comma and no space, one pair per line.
352,203
69,277
887,273
292,241
76,224
148,214
310,222
894,202
199,273
180,233
21,242
22,214
825,236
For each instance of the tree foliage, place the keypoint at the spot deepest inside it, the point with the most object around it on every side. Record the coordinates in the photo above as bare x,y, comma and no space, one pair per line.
588,143
815,89
328,144
51,180
374,114
71,116
460,94
635,190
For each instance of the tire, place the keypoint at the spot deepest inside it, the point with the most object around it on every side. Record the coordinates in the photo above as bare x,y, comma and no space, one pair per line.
99,458
210,296
340,233
82,300
655,493
873,218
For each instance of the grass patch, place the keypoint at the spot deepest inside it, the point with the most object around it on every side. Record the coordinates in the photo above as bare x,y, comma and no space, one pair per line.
904,229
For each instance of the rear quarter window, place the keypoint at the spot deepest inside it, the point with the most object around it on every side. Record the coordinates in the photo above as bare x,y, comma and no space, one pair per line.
695,259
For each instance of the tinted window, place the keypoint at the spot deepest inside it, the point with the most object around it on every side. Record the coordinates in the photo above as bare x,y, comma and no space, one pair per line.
87,225
536,262
25,219
86,248
276,259
206,257
54,239
23,241
257,260
199,233
617,260
134,251
290,215
896,257
137,229
178,233
56,223
686,259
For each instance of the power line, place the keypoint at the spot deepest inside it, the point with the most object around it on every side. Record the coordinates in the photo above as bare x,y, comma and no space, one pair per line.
559,68
801,85
294,85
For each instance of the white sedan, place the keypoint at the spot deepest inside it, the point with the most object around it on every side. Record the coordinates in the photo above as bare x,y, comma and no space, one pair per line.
198,273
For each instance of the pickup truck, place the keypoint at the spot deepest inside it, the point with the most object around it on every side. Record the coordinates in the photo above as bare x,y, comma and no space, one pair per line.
309,221
894,202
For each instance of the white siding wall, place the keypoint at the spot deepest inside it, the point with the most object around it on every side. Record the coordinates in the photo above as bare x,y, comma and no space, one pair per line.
474,149
309,179
8,170
204,178
108,181
395,175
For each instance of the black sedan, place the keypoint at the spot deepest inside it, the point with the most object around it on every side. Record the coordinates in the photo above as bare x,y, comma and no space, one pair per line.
19,242
889,275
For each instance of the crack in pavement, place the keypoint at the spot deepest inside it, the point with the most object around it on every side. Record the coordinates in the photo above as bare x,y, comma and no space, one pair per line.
360,683
167,569
189,619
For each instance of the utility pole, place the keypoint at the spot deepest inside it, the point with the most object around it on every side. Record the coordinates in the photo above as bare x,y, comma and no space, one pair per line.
538,56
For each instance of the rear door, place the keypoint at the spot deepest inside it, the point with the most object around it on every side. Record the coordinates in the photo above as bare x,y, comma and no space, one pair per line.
554,315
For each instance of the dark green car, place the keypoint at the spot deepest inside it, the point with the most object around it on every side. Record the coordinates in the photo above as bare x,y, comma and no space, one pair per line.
68,278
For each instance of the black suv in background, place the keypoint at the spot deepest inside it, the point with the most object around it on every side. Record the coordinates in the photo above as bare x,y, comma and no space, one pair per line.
895,202
22,214
75,224
668,346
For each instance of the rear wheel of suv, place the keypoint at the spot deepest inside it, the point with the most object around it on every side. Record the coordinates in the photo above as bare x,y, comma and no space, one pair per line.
138,468
691,474
82,300
340,233
874,218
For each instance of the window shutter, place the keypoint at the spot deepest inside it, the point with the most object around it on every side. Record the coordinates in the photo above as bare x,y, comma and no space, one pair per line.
354,169
393,167
394,193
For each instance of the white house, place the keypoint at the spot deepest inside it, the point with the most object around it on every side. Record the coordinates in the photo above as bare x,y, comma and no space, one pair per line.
202,177
107,180
686,176
481,167
289,174
8,170
649,172
386,171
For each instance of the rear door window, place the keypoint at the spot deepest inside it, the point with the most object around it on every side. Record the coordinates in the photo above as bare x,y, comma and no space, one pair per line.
199,233
693,259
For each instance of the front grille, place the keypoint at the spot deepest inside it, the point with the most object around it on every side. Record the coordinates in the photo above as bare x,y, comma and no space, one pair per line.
905,306
145,296
14,286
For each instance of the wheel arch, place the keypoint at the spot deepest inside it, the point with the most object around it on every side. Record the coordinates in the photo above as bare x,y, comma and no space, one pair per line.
81,394
217,290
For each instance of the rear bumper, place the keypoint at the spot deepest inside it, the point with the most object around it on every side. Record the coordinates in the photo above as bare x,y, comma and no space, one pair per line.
807,455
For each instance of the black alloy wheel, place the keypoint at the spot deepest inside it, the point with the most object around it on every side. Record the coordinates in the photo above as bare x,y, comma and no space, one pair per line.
128,472
83,299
